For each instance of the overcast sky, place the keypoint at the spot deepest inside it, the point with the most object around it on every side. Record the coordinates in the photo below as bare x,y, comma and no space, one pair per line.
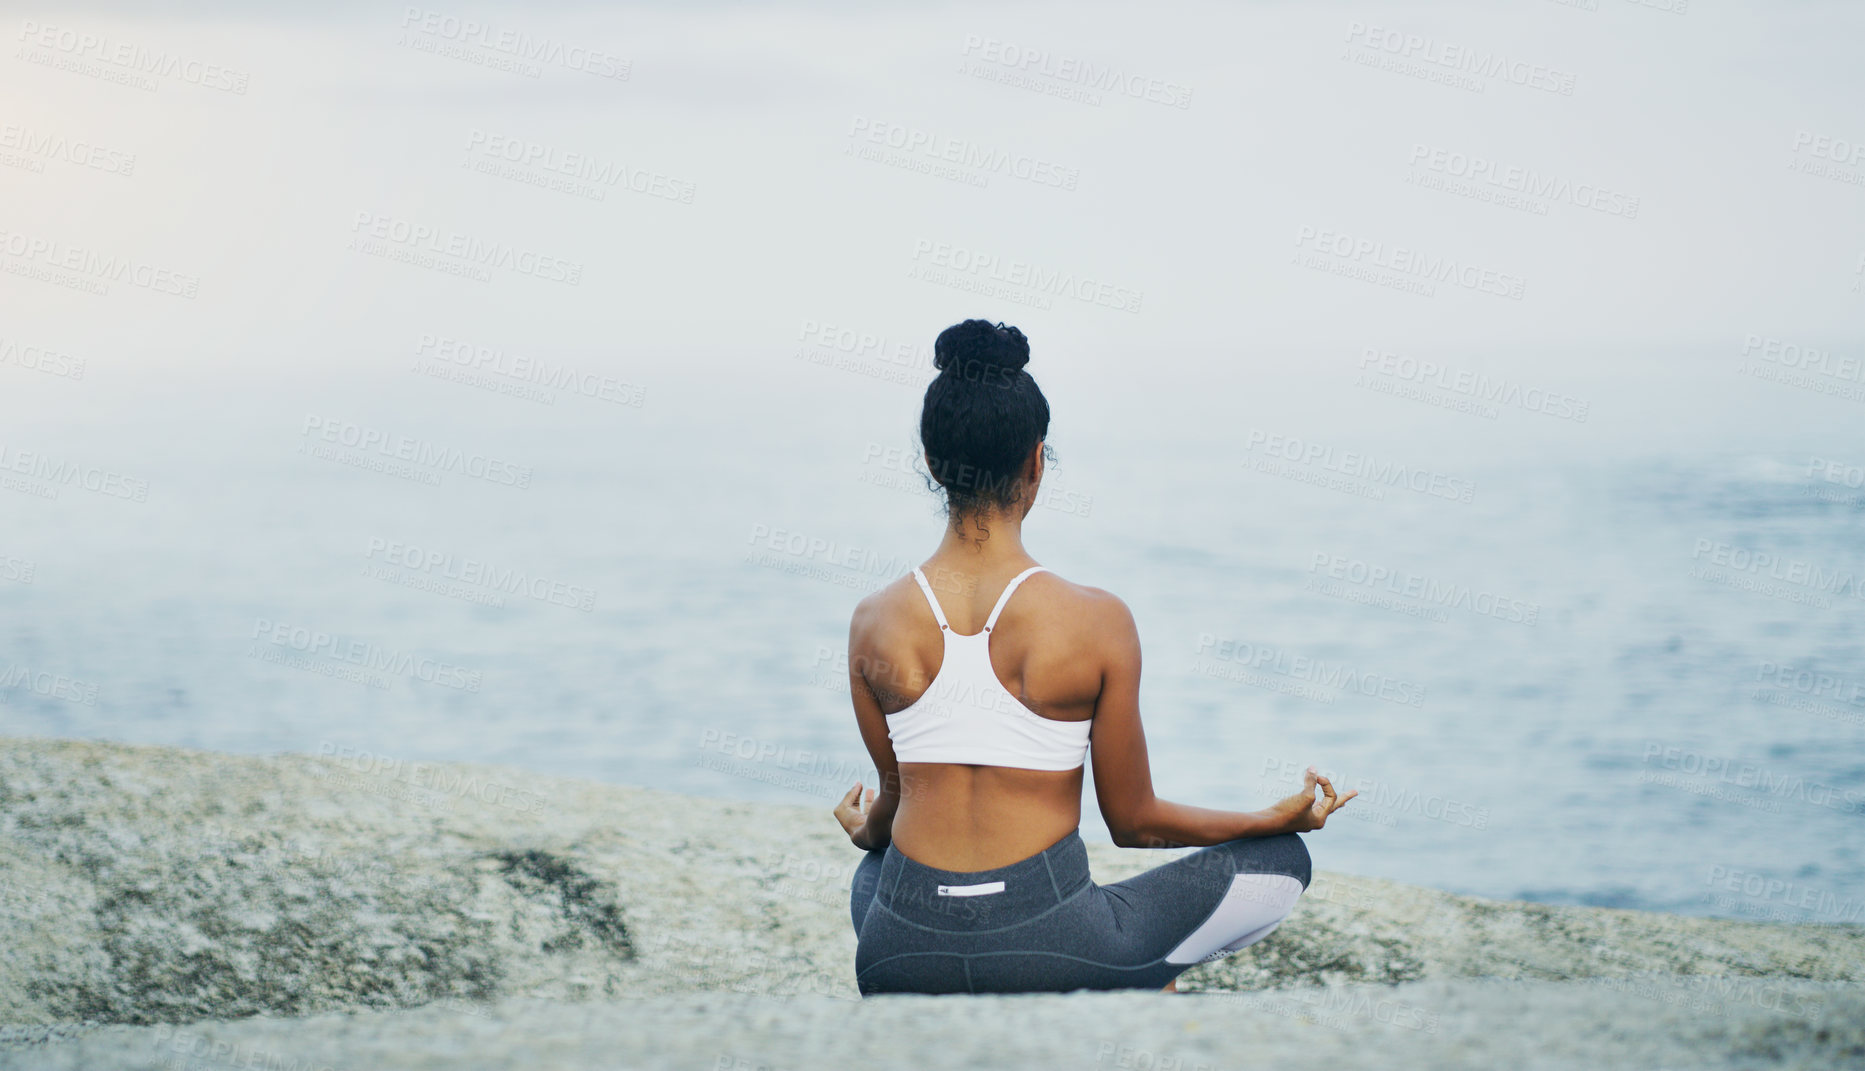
1204,190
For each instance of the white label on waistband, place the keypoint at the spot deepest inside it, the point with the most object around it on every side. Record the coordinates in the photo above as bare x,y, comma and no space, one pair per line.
986,889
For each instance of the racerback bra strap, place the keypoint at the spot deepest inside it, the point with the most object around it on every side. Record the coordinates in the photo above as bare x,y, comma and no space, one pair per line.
1005,597
938,614
966,715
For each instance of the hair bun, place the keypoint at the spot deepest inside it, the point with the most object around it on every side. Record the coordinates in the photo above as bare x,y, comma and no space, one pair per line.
980,341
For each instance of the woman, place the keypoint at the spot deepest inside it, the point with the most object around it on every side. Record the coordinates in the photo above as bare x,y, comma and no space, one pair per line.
979,710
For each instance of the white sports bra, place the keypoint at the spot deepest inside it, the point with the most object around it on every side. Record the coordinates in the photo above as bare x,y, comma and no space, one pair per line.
966,716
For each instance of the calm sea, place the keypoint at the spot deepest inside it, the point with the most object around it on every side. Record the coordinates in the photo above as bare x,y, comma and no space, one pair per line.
1556,668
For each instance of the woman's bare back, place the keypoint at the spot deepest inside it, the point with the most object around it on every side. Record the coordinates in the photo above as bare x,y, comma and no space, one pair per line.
1045,651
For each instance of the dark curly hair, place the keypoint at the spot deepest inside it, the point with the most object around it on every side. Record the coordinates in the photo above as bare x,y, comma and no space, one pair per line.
982,416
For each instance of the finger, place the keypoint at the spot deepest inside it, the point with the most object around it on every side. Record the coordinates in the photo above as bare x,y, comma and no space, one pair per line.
1309,778
870,797
849,797
1327,787
1335,805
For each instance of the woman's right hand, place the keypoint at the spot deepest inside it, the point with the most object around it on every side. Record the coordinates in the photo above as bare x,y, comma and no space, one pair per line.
1303,811
852,813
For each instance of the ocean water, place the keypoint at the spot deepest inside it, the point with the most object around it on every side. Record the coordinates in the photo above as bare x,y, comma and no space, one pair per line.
1561,660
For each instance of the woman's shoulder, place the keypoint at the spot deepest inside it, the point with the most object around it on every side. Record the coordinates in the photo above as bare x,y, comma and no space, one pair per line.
902,598
1094,606
882,603
1062,587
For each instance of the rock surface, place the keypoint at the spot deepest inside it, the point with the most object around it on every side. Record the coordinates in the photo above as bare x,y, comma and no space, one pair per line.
1526,1027
211,900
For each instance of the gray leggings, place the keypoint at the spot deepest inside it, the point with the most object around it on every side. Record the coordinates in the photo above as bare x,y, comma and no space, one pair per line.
1042,925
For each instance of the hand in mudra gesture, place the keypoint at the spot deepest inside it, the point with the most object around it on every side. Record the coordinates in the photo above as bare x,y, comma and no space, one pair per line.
852,812
1305,811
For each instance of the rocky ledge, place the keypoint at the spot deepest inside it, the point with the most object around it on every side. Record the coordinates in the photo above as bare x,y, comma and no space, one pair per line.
162,905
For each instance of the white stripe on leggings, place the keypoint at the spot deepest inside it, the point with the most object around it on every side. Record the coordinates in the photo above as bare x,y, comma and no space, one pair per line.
1254,905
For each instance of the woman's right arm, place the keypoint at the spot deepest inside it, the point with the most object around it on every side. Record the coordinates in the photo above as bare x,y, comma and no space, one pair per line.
869,823
1123,779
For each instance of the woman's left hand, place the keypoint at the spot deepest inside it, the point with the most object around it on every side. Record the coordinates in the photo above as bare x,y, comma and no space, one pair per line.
852,812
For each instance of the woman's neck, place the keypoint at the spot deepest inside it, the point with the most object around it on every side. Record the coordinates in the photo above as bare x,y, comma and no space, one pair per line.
983,540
